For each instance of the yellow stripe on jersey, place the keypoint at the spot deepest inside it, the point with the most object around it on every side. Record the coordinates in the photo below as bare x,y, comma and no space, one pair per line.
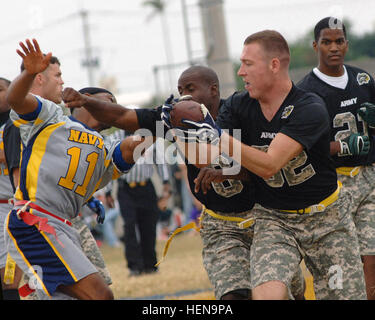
38,122
20,122
116,173
59,255
95,189
18,194
38,151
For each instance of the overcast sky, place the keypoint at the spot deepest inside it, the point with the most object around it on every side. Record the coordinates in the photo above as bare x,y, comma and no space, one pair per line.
128,46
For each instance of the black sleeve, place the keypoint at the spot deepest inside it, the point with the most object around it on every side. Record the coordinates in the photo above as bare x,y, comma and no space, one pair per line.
12,148
372,89
228,117
150,119
313,114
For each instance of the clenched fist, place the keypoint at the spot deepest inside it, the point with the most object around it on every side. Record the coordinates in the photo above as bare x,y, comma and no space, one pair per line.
73,99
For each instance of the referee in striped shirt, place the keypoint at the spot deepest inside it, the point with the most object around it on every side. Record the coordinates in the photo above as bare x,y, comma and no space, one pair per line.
138,205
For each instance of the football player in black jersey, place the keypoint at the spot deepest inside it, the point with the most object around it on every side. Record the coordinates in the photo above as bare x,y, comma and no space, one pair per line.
226,246
303,214
345,90
226,251
227,204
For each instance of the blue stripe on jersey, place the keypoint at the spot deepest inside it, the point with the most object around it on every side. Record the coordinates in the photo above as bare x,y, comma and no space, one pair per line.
86,126
119,160
32,115
38,252
26,154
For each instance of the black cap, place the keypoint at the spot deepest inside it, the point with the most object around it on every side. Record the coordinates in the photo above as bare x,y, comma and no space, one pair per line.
94,90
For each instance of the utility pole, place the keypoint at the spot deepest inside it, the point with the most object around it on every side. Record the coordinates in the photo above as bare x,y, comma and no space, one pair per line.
167,46
215,37
89,61
187,32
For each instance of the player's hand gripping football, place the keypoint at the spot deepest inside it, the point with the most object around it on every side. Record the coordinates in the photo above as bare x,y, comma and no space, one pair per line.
72,98
205,131
167,108
189,130
33,58
97,206
367,113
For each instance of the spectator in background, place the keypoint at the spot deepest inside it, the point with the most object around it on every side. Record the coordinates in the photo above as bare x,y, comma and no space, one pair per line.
112,212
138,206
165,215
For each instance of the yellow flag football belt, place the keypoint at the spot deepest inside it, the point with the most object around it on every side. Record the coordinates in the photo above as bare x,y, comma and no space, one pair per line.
242,223
349,171
320,207
10,268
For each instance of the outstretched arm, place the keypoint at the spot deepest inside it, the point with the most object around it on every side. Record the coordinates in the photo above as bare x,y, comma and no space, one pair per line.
35,61
109,113
133,147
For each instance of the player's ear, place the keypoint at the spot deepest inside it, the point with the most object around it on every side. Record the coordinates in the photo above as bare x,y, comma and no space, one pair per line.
275,65
39,79
315,46
214,89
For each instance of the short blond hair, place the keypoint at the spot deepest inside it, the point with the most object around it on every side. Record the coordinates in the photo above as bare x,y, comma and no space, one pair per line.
273,43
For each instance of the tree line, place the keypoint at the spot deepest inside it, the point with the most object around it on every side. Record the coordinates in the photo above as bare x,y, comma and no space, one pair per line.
303,55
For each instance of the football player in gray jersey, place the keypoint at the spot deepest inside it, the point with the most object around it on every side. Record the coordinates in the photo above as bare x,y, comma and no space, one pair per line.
63,163
14,274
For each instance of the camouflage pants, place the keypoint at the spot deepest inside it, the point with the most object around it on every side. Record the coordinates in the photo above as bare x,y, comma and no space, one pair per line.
226,255
91,249
326,241
362,188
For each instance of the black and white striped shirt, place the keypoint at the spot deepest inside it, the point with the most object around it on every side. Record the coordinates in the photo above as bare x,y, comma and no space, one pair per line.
144,167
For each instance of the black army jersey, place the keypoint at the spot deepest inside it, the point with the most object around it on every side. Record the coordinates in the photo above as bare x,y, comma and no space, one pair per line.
229,196
305,180
342,105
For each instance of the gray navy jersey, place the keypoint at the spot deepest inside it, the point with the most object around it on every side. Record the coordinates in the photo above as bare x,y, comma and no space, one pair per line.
63,162
6,191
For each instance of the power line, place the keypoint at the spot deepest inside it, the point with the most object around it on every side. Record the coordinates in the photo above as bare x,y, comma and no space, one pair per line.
46,27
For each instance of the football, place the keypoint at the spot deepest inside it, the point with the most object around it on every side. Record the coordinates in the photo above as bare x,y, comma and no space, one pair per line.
188,110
